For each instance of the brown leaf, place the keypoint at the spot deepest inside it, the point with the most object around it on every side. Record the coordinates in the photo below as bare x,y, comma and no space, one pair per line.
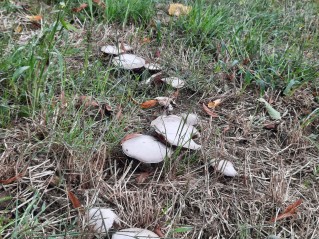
158,231
87,101
149,104
175,95
74,200
100,3
80,8
36,18
209,112
142,177
15,178
129,136
62,99
146,40
271,126
214,104
157,54
119,115
289,212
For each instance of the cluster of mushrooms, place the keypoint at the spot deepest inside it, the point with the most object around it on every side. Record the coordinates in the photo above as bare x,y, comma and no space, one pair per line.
177,131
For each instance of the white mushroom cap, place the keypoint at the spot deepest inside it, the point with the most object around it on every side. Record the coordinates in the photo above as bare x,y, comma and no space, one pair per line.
146,149
174,82
176,131
134,233
129,61
102,219
153,66
191,119
112,50
226,168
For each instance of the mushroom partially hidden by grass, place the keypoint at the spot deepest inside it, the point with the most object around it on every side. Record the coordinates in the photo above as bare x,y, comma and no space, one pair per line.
102,219
225,167
145,148
134,233
129,61
176,131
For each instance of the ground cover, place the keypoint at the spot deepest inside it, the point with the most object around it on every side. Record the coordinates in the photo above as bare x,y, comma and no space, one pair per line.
65,108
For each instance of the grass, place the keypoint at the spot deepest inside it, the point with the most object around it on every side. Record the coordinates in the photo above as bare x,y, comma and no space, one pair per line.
238,51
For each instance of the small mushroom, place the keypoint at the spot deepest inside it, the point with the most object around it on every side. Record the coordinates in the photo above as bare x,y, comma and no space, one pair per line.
102,219
153,66
128,61
176,131
134,233
225,167
191,119
111,50
145,148
174,82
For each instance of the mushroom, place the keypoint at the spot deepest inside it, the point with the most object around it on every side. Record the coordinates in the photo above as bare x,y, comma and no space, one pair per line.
129,61
116,50
153,66
174,82
176,131
225,167
134,233
111,50
191,119
102,219
145,148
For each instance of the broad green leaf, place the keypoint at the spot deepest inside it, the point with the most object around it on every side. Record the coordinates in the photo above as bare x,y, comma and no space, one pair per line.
274,114
19,72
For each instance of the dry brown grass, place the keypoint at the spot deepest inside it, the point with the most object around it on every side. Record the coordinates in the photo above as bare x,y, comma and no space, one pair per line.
276,167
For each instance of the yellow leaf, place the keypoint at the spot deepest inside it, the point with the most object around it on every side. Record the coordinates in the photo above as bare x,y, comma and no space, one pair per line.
177,9
214,104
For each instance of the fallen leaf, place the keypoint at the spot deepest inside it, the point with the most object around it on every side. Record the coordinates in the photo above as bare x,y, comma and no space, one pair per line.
271,126
149,104
130,136
80,8
15,178
157,54
119,115
36,18
142,177
214,104
289,212
100,3
74,200
146,40
158,231
274,114
62,99
175,94
87,101
18,29
177,9
209,112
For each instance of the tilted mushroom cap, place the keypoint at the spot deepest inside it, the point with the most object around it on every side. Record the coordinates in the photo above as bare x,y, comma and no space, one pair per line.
176,131
174,82
191,119
112,50
134,233
146,149
225,167
153,66
102,219
129,61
